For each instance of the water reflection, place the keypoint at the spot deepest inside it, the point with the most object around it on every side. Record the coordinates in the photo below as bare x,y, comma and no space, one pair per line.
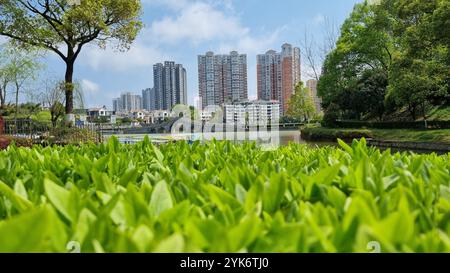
266,139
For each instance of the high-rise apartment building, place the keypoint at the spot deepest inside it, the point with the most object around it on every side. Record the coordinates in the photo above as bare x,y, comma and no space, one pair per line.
127,102
149,99
117,105
277,75
312,86
170,85
222,78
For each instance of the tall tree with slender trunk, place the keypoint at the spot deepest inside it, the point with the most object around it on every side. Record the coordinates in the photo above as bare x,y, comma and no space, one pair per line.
17,67
65,27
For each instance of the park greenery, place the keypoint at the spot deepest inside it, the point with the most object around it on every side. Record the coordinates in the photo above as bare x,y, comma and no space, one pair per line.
301,105
391,62
317,133
17,68
63,28
222,197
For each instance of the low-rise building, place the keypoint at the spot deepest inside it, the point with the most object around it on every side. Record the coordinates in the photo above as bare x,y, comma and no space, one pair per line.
96,114
253,113
137,114
158,116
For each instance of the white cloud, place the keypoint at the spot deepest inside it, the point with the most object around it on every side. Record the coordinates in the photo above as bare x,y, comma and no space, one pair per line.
138,56
198,22
180,4
192,22
89,86
252,45
208,21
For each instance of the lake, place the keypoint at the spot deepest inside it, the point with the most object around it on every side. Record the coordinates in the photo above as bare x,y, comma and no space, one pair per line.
267,139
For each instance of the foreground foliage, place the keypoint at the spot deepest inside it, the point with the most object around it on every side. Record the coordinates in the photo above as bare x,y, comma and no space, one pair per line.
221,197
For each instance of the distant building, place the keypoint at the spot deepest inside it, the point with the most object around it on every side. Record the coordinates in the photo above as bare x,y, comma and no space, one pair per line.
127,102
277,75
158,116
235,113
94,114
137,114
253,113
97,112
312,87
222,78
117,105
170,85
149,99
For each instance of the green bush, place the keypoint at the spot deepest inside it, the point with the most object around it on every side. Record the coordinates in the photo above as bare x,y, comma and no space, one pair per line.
329,134
220,197
6,141
69,135
331,115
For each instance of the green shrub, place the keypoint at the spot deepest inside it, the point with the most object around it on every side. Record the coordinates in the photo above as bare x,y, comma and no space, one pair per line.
329,134
331,115
221,197
69,135
6,141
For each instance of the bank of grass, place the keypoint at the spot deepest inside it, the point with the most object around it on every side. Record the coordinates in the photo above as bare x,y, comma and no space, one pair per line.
413,135
439,113
404,135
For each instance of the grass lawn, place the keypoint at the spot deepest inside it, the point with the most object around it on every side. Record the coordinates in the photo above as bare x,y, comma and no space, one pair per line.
413,135
320,133
440,113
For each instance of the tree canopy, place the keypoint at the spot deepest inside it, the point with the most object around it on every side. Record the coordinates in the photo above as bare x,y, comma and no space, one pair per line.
16,68
64,27
393,52
301,105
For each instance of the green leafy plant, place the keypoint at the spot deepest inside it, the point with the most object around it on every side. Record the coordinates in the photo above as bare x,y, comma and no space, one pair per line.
222,197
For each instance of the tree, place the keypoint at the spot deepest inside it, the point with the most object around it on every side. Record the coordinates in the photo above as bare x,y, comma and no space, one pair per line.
331,115
18,66
314,53
61,25
364,45
420,73
391,51
371,93
53,98
301,105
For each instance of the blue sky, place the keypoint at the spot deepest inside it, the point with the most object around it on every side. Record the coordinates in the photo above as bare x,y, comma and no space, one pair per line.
179,30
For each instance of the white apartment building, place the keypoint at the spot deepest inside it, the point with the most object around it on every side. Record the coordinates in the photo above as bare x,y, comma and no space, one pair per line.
253,113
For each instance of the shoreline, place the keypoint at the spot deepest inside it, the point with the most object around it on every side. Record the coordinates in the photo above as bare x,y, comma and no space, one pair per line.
383,139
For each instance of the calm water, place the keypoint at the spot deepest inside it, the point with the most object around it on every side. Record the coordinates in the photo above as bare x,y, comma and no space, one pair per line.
274,139
268,140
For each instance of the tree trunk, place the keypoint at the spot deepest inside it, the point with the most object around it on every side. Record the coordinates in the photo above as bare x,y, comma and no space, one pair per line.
2,97
54,119
69,86
412,111
424,115
17,108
